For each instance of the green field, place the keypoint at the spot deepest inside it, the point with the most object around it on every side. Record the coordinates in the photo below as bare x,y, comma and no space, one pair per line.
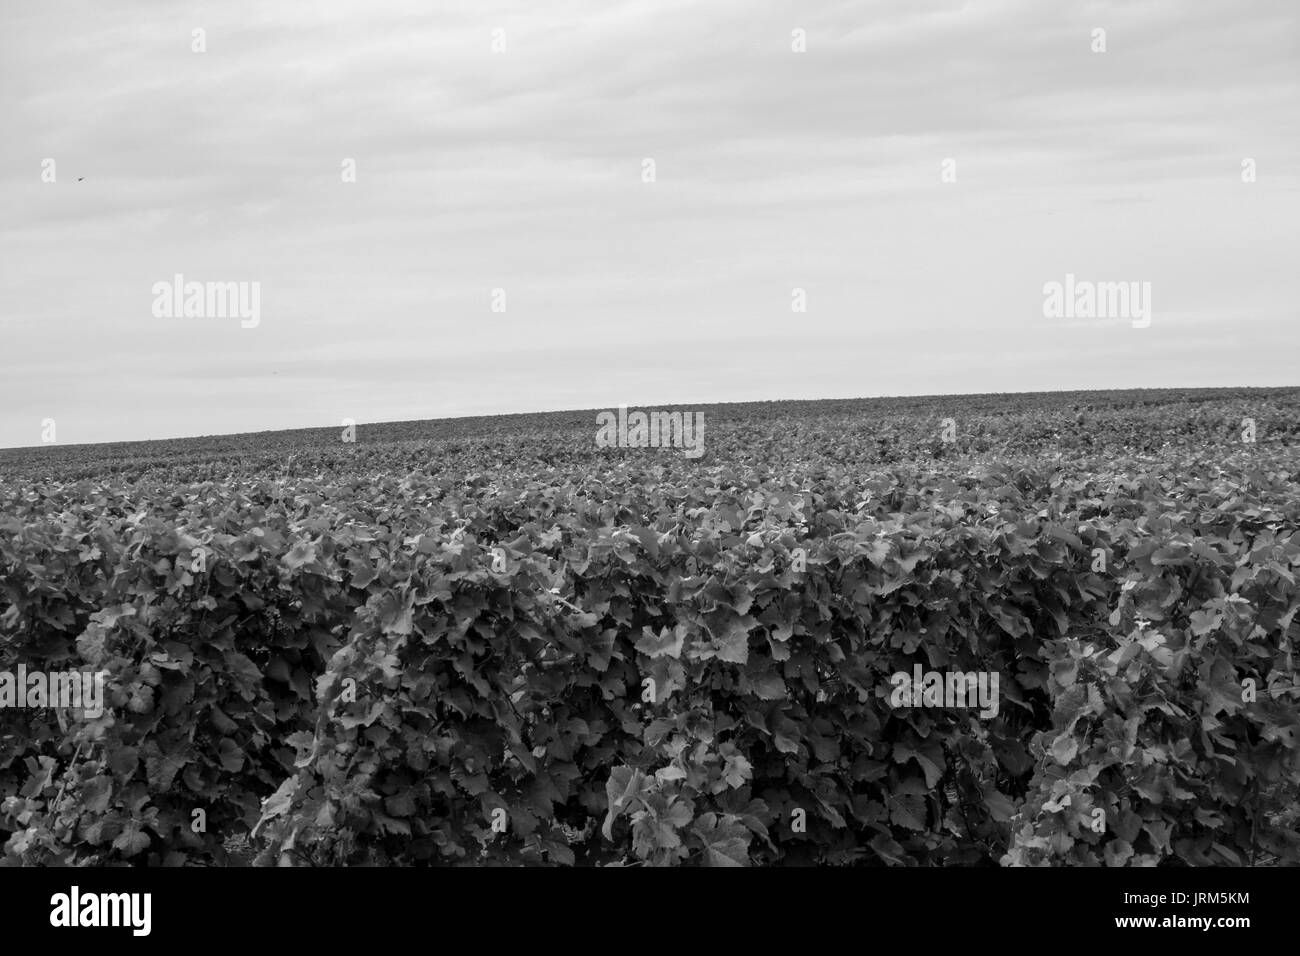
785,437
491,640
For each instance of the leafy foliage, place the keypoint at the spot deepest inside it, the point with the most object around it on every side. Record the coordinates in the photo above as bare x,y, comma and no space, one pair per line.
503,646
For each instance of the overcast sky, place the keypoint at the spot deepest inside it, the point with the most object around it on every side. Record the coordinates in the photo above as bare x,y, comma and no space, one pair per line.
523,170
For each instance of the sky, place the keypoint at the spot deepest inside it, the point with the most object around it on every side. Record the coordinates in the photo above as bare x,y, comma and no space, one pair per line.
921,170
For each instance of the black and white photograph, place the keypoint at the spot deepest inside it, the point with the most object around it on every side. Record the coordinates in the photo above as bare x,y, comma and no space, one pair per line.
649,434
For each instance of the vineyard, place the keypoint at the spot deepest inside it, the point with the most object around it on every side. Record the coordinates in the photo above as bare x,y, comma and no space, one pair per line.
489,641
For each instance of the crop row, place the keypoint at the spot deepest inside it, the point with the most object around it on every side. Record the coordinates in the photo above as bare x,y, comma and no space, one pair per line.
645,665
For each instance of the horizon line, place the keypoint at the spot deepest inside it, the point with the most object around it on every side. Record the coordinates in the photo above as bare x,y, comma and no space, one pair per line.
661,405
